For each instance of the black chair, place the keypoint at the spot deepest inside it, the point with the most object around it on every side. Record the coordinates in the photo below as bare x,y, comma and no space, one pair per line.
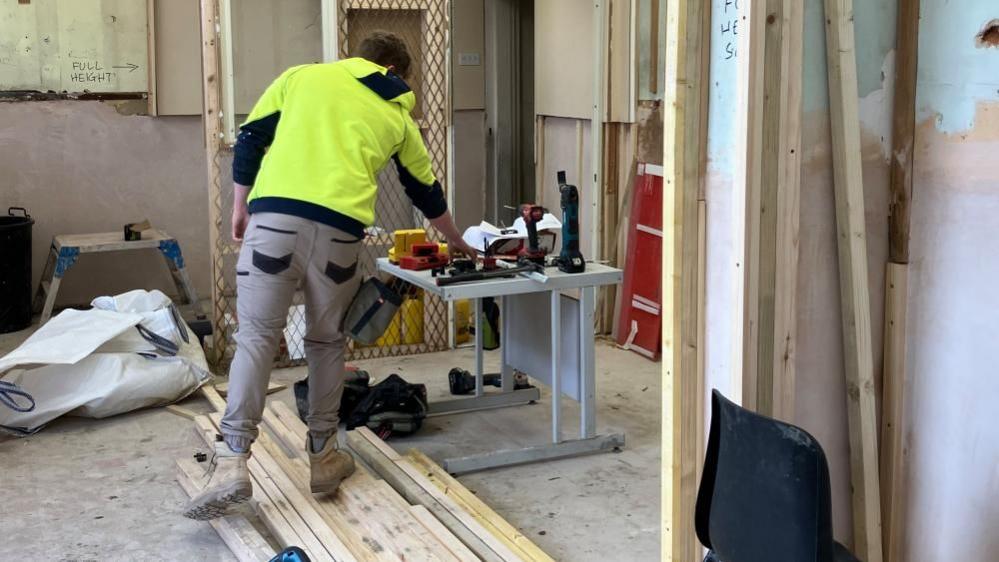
764,494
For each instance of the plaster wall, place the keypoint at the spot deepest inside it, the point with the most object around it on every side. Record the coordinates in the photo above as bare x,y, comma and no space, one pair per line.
469,183
953,343
80,166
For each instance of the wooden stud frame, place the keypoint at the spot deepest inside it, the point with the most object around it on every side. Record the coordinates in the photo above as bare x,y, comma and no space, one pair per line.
211,108
151,107
683,165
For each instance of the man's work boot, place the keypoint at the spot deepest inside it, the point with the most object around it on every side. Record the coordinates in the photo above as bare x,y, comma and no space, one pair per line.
329,467
228,485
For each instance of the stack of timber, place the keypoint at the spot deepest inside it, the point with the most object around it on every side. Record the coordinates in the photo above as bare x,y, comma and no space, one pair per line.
403,508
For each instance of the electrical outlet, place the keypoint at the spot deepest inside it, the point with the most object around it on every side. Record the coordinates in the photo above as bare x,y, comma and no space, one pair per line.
468,59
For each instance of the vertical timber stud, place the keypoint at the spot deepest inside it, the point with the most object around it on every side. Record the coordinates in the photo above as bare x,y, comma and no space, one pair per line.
213,146
763,214
328,12
682,171
787,216
893,449
746,199
773,234
600,23
854,290
892,413
151,108
227,73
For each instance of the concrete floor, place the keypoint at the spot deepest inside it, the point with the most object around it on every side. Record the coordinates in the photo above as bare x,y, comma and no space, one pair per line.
104,489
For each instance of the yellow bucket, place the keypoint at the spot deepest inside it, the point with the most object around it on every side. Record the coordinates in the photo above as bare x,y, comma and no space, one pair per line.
462,321
411,312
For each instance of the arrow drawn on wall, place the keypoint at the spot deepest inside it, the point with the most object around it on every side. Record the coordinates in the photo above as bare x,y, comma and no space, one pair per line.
131,67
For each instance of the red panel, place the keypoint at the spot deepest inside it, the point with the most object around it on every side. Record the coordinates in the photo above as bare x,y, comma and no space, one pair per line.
641,316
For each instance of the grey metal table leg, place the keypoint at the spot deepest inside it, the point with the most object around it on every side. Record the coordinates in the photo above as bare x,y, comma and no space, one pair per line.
506,371
556,335
478,347
587,371
566,449
486,401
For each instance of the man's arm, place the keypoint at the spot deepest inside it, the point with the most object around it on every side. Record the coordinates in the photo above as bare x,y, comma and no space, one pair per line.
240,211
423,189
251,145
255,136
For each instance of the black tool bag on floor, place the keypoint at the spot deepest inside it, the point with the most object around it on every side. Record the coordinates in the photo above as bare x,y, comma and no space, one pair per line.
391,407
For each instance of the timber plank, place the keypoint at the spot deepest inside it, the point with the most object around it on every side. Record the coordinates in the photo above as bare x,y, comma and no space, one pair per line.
479,509
854,290
446,537
414,493
494,542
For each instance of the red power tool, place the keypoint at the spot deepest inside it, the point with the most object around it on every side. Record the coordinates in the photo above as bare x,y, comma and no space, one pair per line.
532,215
424,256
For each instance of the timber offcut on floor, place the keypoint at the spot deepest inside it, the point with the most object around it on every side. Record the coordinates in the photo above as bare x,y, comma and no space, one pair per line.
404,507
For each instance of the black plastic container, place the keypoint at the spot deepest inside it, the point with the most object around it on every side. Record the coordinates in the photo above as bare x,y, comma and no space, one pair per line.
15,270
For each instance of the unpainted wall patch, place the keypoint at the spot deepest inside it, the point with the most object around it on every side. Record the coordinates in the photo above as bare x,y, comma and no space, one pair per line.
988,36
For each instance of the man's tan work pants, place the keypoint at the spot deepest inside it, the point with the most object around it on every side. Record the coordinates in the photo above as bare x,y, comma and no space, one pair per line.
279,253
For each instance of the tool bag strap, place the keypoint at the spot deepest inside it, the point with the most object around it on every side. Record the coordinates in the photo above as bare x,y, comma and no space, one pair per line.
386,294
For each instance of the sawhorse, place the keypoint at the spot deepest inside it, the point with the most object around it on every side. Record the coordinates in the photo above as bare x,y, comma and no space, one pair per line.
66,249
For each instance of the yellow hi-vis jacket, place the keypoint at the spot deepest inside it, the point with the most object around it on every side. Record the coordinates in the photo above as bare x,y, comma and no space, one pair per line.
317,138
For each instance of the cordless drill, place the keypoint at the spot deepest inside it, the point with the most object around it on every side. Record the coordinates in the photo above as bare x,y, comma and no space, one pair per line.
570,260
532,215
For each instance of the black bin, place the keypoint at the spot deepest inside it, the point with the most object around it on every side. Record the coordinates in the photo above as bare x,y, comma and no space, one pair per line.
15,270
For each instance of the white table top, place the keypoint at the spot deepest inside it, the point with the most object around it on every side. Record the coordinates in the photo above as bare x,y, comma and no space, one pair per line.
595,275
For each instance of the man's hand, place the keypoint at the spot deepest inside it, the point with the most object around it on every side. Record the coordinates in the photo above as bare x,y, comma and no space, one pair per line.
240,213
455,244
240,218
461,248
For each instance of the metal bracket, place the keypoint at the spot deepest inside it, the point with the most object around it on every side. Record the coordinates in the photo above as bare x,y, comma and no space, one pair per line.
67,257
171,251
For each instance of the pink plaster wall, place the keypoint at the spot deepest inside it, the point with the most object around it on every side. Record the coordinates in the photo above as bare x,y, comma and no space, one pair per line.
80,166
953,344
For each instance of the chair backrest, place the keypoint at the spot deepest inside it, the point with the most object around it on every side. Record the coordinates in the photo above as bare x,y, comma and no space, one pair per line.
764,494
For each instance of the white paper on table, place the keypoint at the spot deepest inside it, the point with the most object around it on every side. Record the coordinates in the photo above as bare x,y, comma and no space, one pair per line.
482,236
548,222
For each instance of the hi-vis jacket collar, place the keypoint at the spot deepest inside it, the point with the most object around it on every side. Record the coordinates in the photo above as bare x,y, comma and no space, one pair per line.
380,80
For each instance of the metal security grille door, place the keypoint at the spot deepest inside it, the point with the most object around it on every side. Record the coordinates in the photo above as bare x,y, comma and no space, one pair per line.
422,324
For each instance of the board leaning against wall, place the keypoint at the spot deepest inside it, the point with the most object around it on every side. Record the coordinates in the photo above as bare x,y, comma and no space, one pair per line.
74,46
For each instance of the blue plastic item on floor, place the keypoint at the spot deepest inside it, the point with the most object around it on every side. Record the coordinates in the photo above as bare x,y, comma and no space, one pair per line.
291,554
